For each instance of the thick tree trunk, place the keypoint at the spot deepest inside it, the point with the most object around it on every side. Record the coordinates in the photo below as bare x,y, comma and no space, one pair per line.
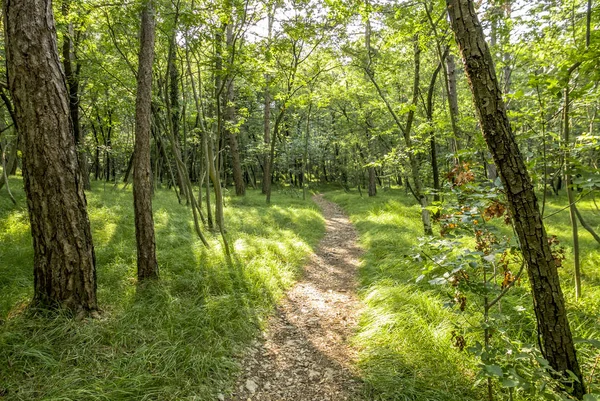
147,265
64,260
556,341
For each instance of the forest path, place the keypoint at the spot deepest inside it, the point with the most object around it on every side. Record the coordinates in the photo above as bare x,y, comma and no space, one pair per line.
304,354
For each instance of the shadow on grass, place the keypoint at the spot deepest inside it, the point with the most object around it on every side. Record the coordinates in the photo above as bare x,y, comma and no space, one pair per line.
405,332
174,339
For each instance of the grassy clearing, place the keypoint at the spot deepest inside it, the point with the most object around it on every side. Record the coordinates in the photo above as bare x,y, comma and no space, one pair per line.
175,340
405,334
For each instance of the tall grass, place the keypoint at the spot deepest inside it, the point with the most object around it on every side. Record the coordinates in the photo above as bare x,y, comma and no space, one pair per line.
405,334
178,339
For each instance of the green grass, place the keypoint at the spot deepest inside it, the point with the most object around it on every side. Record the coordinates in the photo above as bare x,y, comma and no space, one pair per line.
176,340
405,341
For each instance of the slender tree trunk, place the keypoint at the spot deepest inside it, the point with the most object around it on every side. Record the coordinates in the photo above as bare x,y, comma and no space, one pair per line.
432,141
72,76
267,112
128,170
372,182
147,264
569,185
207,167
305,153
11,166
4,175
270,163
234,148
266,136
173,109
372,190
556,341
452,93
64,259
413,158
96,155
11,163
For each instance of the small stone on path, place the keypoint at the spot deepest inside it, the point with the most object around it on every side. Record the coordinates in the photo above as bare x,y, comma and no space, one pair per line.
303,355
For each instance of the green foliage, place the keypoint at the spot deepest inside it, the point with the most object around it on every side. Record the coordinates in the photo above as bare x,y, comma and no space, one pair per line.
173,340
405,336
412,332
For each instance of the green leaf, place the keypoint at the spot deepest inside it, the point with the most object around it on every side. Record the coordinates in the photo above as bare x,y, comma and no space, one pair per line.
595,343
509,383
494,370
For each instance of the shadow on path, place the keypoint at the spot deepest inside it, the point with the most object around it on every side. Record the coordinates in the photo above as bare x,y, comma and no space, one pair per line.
304,354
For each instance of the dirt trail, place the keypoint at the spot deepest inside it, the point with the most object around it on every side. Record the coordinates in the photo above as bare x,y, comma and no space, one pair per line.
304,354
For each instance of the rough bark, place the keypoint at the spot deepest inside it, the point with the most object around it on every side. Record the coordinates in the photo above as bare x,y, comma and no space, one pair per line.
554,333
147,266
64,260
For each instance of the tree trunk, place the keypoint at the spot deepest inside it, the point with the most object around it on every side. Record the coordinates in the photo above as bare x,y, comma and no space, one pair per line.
173,109
72,76
234,148
64,260
4,175
372,176
11,166
147,265
12,160
269,167
452,94
266,137
432,142
413,158
372,182
555,337
569,186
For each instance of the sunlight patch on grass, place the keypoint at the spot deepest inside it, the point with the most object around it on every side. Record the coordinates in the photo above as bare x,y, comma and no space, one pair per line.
172,340
405,332
405,342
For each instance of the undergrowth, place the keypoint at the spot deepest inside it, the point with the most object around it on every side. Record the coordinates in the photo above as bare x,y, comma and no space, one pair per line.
177,339
407,333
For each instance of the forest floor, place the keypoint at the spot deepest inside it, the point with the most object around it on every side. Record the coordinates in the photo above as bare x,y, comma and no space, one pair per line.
304,353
